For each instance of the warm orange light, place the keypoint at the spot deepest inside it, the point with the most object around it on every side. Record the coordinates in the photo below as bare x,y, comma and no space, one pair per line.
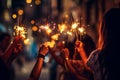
81,30
26,41
74,25
69,33
20,12
34,28
28,1
20,30
37,2
62,27
55,36
51,43
48,31
14,16
32,21
66,16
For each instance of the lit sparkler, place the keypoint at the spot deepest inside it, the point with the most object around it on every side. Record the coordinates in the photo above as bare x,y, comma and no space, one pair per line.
62,27
20,31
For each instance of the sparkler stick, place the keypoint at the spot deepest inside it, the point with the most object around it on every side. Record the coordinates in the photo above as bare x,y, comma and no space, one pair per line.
76,31
80,25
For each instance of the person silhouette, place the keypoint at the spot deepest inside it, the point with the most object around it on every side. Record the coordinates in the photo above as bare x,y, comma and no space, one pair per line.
104,61
8,52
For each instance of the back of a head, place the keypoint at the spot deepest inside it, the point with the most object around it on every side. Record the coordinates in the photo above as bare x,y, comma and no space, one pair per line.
89,44
3,35
109,57
112,25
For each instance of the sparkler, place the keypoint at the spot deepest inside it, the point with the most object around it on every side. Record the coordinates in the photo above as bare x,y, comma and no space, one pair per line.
74,28
20,31
62,27
64,31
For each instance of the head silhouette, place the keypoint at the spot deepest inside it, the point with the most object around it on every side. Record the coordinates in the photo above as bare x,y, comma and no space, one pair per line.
109,30
109,43
4,41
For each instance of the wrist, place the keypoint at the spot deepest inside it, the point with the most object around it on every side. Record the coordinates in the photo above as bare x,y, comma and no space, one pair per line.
41,56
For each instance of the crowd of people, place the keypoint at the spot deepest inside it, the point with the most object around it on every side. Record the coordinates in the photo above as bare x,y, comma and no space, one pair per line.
81,59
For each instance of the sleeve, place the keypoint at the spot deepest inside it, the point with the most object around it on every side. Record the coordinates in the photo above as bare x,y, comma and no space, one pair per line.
93,58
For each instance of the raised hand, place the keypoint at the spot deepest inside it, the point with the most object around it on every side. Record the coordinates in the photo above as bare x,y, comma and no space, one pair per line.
17,49
17,39
65,53
79,45
43,50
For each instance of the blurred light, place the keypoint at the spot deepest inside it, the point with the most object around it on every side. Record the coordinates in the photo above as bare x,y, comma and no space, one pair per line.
63,42
28,1
69,33
34,28
2,28
20,30
55,36
31,5
46,28
20,12
51,43
62,27
74,25
26,42
66,16
48,31
37,2
6,15
46,60
14,16
81,29
32,21
9,3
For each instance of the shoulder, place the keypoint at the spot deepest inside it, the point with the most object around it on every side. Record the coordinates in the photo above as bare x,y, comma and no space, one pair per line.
93,57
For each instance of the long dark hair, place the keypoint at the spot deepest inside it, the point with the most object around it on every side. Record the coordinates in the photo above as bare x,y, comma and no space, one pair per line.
109,43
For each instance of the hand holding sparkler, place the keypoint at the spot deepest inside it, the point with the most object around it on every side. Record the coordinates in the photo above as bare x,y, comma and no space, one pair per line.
42,50
20,31
65,53
17,39
79,45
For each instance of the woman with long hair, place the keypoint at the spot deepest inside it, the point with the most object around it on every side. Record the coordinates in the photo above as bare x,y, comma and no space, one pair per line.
104,61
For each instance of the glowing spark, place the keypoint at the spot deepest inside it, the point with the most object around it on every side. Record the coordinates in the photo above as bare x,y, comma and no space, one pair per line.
55,37
51,43
19,31
46,28
69,33
81,30
20,12
14,16
26,41
62,27
74,25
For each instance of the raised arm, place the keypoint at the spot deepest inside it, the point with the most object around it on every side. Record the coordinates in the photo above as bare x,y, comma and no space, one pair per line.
53,51
12,51
69,65
79,46
35,74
